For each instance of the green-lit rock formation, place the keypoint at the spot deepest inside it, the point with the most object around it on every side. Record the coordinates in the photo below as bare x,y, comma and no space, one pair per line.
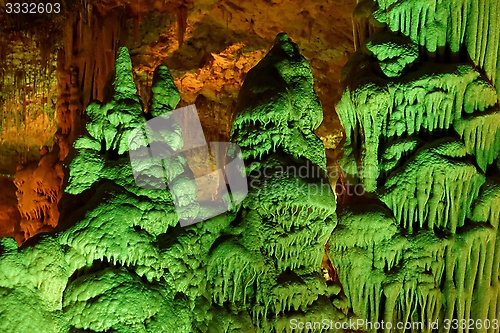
422,135
430,98
273,258
278,108
121,262
451,25
109,267
421,246
435,189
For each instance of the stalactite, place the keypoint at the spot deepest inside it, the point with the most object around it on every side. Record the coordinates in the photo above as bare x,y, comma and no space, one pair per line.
394,152
384,109
69,107
433,188
479,96
27,122
487,206
95,67
363,23
481,135
430,277
236,274
456,23
272,261
111,286
182,14
442,260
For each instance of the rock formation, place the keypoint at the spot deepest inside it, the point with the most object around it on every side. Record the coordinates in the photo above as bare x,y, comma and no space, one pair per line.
422,134
420,110
270,266
53,66
122,263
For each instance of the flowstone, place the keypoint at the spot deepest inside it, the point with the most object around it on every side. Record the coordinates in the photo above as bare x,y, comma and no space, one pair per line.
424,132
431,98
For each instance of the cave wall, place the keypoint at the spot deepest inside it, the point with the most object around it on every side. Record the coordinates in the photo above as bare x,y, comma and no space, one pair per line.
419,106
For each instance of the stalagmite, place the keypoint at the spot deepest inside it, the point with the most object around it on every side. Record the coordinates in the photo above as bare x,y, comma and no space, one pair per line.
418,244
272,262
284,103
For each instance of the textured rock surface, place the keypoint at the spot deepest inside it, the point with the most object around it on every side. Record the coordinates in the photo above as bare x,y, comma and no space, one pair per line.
422,135
448,26
121,262
289,212
422,245
39,189
278,109
426,99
